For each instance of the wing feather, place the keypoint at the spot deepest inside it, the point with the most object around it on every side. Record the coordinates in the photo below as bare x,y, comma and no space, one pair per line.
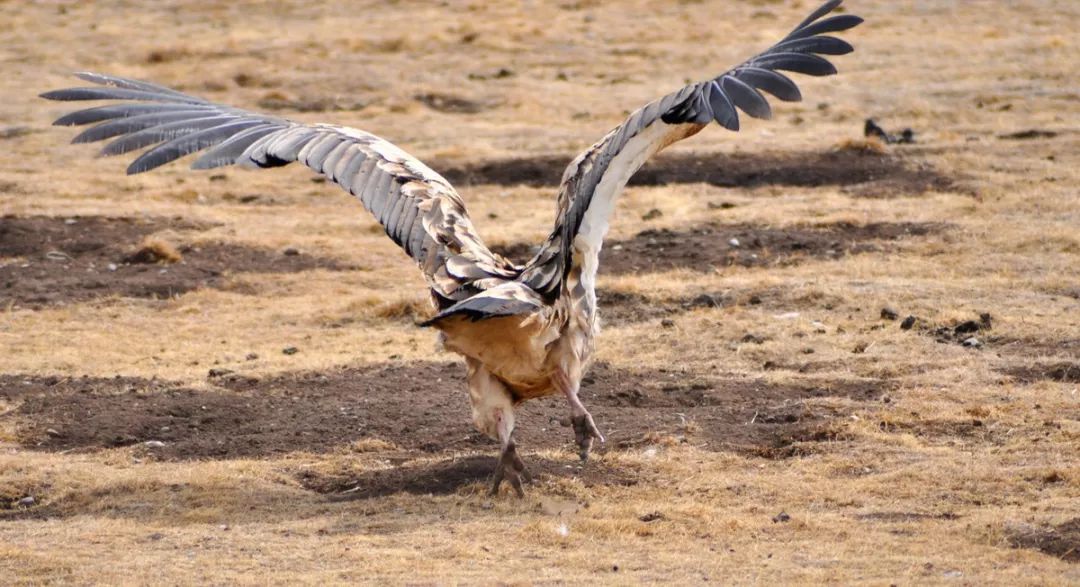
596,177
417,207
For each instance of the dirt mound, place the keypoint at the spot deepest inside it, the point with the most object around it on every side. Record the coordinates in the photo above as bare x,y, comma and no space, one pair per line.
420,407
65,260
704,248
867,174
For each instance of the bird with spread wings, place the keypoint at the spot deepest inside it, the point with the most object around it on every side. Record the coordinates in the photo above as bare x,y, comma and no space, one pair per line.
525,331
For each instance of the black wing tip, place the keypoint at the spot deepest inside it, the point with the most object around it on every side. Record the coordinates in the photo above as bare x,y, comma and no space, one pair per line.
60,95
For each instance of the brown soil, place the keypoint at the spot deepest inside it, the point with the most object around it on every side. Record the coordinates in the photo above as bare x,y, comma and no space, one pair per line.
620,307
1063,372
704,248
419,408
867,174
1062,541
49,260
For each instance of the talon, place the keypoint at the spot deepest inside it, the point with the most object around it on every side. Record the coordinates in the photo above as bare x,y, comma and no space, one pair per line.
511,468
585,431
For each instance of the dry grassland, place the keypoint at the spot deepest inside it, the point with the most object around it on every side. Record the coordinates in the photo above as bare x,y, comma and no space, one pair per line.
736,383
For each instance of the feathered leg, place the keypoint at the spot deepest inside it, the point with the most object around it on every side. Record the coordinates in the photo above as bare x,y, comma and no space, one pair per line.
493,413
585,429
510,466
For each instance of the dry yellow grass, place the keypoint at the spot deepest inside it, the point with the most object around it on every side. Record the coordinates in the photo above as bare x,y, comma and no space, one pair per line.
905,491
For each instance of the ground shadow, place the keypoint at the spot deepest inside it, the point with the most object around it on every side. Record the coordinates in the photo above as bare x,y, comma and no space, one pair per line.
449,476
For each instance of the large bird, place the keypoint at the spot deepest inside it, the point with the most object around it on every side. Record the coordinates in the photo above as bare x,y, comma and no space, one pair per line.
525,331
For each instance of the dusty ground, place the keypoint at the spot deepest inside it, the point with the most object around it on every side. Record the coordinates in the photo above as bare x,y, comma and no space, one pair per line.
217,377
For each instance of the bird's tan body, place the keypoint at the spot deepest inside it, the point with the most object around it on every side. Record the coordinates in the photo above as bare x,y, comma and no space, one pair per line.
528,354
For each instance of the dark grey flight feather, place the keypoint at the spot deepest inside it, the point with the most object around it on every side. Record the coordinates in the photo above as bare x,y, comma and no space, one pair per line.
697,104
121,111
416,206
130,124
798,52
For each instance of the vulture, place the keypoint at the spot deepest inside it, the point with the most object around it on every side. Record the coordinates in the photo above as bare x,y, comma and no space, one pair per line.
525,330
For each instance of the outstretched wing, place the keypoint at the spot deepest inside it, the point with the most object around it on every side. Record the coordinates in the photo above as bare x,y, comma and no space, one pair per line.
594,179
418,208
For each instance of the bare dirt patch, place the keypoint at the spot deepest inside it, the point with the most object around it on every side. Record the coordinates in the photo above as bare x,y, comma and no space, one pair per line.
704,248
621,307
416,407
866,173
1061,541
48,260
1062,372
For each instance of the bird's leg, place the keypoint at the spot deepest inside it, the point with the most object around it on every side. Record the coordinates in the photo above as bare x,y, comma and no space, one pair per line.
585,429
510,465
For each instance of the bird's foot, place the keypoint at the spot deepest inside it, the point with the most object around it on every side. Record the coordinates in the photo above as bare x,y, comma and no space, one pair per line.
511,468
585,431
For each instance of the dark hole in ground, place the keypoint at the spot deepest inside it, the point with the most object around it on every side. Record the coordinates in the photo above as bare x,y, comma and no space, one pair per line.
867,174
1061,541
64,260
704,248
420,407
1063,372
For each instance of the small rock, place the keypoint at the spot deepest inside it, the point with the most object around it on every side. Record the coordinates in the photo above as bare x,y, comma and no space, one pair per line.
111,266
907,323
53,432
721,206
781,517
966,327
667,323
972,343
652,214
27,501
224,527
733,242
753,338
290,350
888,313
156,536
251,356
11,132
754,300
291,252
651,517
154,444
706,301
214,373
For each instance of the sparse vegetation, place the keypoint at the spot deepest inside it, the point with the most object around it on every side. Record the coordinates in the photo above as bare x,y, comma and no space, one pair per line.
766,423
